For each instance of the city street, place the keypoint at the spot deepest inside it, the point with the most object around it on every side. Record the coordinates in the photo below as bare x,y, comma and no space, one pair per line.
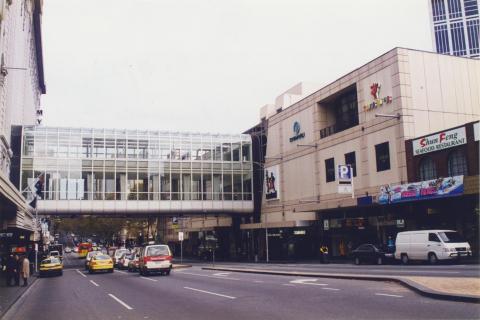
193,293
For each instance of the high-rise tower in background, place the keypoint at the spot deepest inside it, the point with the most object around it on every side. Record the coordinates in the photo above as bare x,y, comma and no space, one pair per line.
455,27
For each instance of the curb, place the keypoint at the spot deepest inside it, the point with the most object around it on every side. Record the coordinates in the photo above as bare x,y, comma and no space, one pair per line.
422,290
33,279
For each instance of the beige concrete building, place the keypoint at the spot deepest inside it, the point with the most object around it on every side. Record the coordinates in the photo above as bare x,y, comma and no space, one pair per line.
362,119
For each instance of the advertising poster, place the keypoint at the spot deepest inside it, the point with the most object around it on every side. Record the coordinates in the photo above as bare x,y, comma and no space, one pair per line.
430,189
272,181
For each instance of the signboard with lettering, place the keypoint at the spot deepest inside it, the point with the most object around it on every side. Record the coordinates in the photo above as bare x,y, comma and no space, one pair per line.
439,141
430,189
345,176
296,131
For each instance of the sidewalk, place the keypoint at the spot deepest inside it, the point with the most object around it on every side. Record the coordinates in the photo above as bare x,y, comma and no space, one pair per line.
444,288
9,295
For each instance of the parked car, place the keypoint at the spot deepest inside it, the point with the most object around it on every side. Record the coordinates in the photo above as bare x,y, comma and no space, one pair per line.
370,253
100,262
51,265
431,246
155,258
134,263
89,257
116,256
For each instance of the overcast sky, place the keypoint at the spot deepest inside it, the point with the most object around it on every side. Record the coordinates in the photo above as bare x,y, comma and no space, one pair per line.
207,66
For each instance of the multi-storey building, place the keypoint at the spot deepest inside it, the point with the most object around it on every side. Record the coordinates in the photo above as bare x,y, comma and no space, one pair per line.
363,120
455,27
21,86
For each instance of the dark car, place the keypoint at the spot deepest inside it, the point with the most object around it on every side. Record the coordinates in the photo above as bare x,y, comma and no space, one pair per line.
370,253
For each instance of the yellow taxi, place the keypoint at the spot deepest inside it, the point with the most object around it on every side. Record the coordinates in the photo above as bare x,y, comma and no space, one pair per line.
51,265
100,262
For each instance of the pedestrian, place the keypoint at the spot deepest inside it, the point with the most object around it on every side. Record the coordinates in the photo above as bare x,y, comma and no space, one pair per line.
324,254
390,245
18,266
11,269
25,271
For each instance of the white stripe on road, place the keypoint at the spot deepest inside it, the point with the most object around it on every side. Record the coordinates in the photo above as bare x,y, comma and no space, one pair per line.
204,275
94,283
288,285
120,301
414,271
258,281
333,289
121,271
388,295
208,292
149,279
80,273
221,274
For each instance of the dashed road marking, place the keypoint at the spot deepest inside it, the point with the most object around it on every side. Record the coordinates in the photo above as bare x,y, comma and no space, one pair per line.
333,289
209,292
94,283
148,279
388,295
288,285
80,273
208,276
221,274
120,301
308,281
258,281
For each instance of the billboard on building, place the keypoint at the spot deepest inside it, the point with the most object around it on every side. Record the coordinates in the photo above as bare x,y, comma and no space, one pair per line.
272,182
430,189
439,141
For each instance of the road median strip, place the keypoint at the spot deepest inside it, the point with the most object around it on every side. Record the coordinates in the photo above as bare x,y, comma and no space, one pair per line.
404,281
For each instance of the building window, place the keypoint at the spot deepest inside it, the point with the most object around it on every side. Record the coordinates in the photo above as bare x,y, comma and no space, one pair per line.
427,169
438,10
330,169
471,7
458,39
473,36
382,155
457,163
346,111
441,38
454,9
350,160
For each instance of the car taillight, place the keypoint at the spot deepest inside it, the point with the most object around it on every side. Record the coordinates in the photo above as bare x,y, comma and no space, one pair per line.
169,258
146,259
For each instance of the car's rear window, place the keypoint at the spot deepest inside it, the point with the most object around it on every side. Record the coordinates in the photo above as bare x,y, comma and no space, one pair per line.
157,251
101,257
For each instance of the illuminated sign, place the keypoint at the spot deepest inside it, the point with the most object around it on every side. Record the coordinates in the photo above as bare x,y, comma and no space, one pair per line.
377,102
439,141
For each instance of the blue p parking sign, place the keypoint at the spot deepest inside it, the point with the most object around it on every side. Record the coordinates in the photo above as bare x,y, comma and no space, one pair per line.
344,173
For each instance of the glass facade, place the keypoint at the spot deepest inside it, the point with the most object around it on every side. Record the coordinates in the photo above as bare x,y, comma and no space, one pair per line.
104,164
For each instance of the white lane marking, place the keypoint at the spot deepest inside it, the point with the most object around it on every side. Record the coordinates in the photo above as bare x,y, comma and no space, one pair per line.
120,301
94,283
121,271
258,281
288,285
333,289
308,281
221,274
204,275
208,292
80,273
388,295
149,279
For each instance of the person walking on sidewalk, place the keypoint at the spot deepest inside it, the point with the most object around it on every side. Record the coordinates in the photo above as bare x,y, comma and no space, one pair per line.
18,266
25,270
11,269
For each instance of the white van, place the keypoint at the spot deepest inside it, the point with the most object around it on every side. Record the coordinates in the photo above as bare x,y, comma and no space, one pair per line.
430,245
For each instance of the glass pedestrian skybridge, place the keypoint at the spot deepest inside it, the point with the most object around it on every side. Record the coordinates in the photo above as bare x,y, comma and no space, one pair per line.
111,171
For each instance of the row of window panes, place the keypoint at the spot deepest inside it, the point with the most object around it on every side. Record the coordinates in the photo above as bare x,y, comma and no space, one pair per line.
473,29
166,196
125,149
133,182
458,39
456,164
441,38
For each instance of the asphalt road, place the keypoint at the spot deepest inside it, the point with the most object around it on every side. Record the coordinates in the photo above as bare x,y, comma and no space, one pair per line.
193,293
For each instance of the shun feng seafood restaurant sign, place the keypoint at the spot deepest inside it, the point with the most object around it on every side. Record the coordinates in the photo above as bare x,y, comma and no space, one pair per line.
439,141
